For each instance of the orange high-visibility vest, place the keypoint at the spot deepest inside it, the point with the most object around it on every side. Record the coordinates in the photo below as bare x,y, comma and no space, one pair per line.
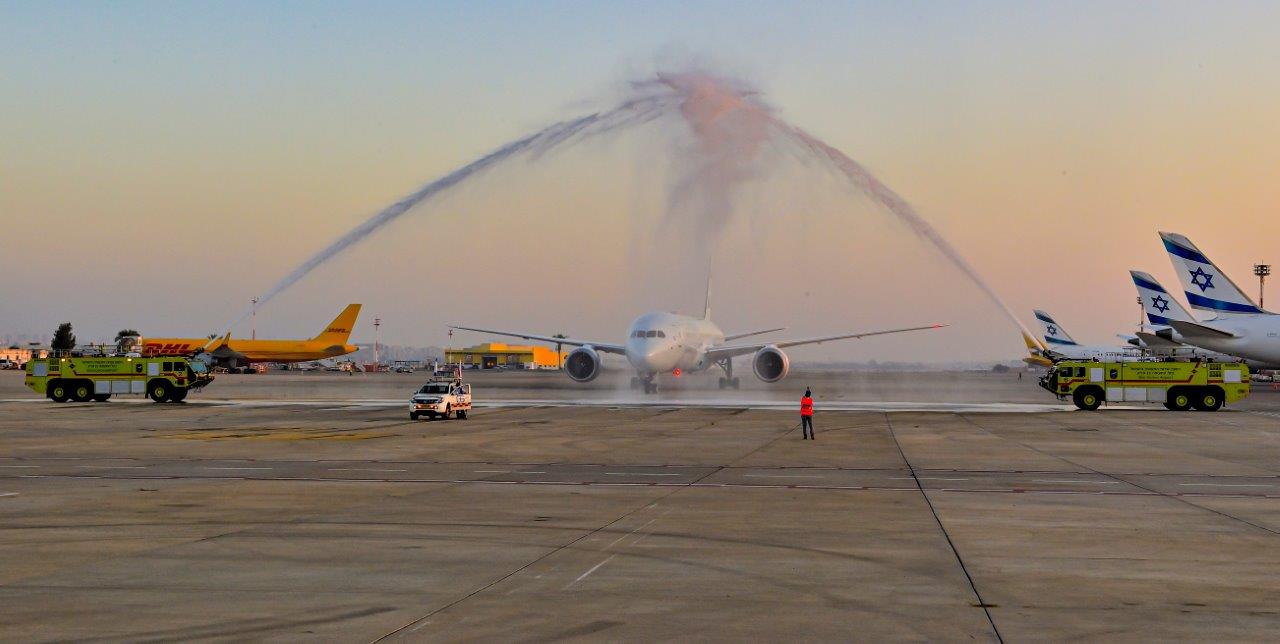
806,406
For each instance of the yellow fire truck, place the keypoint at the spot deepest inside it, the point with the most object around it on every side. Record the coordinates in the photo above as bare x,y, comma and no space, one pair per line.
1204,386
81,379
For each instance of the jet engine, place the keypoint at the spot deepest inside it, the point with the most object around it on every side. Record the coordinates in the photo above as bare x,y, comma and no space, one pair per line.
582,364
770,364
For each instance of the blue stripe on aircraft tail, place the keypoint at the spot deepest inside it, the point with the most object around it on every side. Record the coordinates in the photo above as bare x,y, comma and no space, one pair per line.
1185,253
1218,305
1157,319
1044,318
1151,285
1057,341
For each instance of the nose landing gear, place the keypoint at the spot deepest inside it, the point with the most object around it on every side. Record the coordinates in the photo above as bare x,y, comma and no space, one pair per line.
646,381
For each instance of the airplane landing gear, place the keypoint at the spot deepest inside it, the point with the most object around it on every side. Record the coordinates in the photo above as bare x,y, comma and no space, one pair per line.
728,381
650,387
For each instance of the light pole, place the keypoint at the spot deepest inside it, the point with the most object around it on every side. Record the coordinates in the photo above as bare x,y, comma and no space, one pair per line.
253,320
1262,271
377,337
1142,312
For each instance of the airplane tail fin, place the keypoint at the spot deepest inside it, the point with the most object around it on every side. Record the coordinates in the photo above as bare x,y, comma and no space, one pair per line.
1036,353
1207,287
1054,334
339,330
1159,305
706,311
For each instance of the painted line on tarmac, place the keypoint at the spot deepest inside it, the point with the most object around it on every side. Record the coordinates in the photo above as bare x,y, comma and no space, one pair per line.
1075,481
1226,485
19,466
4,494
236,468
873,488
593,569
112,467
715,403
781,476
635,474
362,469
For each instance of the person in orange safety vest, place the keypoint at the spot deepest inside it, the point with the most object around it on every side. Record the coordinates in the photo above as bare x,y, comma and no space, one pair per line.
806,415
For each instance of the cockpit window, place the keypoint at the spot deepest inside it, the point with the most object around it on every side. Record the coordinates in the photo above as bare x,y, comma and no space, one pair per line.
650,334
662,334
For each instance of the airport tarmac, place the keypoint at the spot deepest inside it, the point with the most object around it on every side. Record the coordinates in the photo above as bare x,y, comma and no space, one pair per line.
277,507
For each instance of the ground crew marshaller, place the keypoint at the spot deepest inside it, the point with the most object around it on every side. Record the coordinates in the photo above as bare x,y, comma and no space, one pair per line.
806,415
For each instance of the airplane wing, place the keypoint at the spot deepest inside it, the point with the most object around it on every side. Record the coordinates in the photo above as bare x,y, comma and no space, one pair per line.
1154,341
604,347
730,350
739,336
1193,330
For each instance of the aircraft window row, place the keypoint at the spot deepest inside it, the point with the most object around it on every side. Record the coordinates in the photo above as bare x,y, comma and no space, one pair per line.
649,334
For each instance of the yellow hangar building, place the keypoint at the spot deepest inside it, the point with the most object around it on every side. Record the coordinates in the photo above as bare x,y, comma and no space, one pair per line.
491,354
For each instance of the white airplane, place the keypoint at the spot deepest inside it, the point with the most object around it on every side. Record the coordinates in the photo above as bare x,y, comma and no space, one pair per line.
1240,327
1162,310
1059,344
673,343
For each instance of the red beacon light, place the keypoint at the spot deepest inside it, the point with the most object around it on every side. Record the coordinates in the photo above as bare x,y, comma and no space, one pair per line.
676,373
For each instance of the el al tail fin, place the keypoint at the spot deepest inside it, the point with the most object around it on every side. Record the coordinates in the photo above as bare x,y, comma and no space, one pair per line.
1054,335
339,330
1159,305
1207,287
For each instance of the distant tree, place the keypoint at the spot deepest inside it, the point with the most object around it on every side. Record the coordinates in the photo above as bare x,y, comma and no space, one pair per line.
1001,368
63,339
126,339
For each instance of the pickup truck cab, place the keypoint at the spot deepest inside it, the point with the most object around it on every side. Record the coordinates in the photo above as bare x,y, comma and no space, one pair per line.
441,397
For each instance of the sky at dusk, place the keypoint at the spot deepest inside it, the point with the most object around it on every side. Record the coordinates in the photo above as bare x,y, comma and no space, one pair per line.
163,163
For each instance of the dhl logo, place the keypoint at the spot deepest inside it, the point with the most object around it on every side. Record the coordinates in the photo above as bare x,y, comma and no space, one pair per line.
156,348
335,329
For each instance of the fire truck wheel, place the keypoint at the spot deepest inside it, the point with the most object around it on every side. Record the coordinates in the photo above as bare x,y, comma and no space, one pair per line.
178,395
1087,398
82,391
101,397
159,390
462,414
1209,400
59,391
1179,400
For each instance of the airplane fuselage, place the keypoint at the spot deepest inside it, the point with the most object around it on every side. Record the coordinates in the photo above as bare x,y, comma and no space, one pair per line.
1258,338
253,350
663,342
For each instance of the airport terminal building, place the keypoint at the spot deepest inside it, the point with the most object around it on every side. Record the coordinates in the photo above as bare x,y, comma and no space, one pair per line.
492,354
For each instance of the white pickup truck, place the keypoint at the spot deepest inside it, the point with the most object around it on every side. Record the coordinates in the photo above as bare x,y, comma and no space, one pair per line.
441,398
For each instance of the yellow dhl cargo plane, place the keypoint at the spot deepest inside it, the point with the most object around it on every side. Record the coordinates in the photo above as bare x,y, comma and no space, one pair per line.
228,352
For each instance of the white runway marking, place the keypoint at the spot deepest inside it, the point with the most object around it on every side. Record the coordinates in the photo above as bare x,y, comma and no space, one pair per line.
637,474
361,469
1225,485
668,403
19,466
1076,481
923,478
781,476
530,472
113,467
3,494
593,569
235,468
493,471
